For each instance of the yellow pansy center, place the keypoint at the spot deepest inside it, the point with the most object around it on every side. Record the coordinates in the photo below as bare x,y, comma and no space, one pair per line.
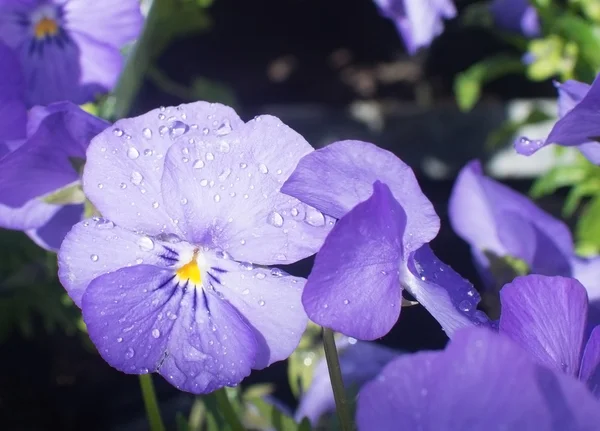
45,27
190,272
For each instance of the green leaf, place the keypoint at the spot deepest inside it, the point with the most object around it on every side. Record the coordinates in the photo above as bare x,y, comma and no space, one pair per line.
181,422
587,231
72,194
579,31
588,187
557,177
469,83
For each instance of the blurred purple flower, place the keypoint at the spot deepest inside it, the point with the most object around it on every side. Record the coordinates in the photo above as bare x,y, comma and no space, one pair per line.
360,362
379,245
579,115
517,16
35,148
481,381
548,317
69,49
417,21
190,196
497,222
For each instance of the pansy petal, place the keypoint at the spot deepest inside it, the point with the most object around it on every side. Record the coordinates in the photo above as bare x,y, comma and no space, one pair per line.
142,321
570,93
480,381
516,16
95,247
114,22
13,112
51,235
448,297
590,363
579,125
225,191
270,302
336,178
354,287
125,163
48,165
547,317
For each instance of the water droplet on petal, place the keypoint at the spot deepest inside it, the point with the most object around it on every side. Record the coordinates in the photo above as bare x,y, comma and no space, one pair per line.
210,156
295,212
104,224
346,302
145,243
133,153
263,168
184,201
247,266
465,305
94,257
224,128
123,185
148,152
120,340
204,182
225,174
276,272
155,205
198,164
129,353
245,291
136,178
243,165
224,147
177,129
261,303
117,132
217,198
162,130
155,333
100,185
314,217
260,276
275,219
147,133
161,116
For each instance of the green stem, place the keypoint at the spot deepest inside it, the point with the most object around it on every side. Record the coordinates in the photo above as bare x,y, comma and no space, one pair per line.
335,375
227,410
151,403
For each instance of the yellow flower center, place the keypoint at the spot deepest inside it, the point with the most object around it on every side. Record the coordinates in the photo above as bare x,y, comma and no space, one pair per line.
190,271
46,27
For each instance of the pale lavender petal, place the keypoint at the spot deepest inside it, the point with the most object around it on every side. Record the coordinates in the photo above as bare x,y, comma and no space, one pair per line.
354,286
51,235
269,300
142,320
96,246
587,272
547,317
590,363
481,381
114,22
224,192
448,297
570,93
336,178
126,162
32,215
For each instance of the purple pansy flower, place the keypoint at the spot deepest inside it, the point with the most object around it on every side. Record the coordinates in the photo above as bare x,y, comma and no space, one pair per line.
69,49
378,247
35,148
498,222
481,381
417,21
360,362
517,16
548,317
190,195
578,112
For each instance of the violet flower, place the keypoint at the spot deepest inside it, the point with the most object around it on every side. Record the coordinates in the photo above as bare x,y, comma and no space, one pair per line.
190,195
35,153
578,108
378,247
517,16
69,49
548,317
360,361
481,381
417,21
498,222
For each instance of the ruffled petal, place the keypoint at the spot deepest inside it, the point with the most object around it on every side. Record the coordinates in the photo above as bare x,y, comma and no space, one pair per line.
51,235
13,112
32,215
114,22
481,381
547,317
448,297
590,363
269,301
336,178
354,286
142,321
125,163
225,192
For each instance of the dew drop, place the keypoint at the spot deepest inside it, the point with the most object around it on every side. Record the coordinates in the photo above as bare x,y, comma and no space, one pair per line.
123,186
260,276
276,272
148,152
346,302
136,178
162,130
263,168
161,116
295,212
224,147
204,182
155,333
120,340
198,164
117,132
247,266
100,185
275,219
210,156
314,217
177,129
155,205
129,353
243,165
224,128
217,198
94,258
104,224
225,174
147,133
145,243
184,201
464,305
261,303
133,153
